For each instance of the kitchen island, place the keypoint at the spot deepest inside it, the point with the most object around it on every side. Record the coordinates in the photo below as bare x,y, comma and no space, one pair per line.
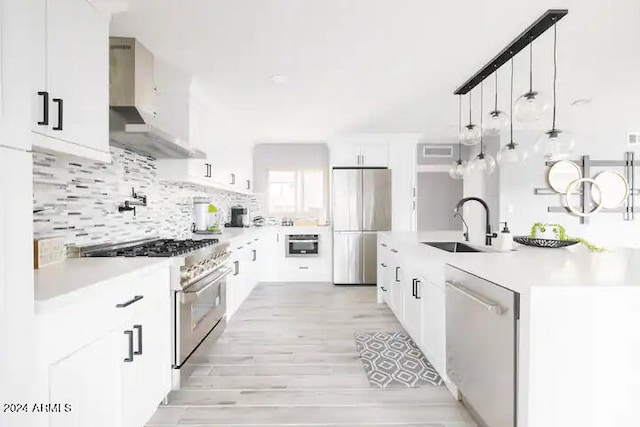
576,342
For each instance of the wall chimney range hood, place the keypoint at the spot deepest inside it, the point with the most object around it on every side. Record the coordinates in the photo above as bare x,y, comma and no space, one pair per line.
132,121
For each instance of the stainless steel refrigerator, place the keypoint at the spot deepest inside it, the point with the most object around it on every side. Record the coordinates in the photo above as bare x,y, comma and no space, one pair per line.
361,206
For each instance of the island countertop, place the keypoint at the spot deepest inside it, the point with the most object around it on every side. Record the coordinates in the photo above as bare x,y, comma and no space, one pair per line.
526,267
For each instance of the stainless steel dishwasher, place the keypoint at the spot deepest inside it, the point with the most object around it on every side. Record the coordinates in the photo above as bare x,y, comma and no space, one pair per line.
482,346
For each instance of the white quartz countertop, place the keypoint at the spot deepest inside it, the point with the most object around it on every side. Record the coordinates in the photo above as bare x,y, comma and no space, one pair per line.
526,267
70,280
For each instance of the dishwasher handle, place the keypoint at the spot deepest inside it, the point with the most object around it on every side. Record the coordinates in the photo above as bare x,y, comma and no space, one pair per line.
487,304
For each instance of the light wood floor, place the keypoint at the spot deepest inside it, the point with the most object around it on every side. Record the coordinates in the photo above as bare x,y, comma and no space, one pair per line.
288,358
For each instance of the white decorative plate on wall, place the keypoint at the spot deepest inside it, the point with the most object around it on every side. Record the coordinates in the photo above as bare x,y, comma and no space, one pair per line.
612,189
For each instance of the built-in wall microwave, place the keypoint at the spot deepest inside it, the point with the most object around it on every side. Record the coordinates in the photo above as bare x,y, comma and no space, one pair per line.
302,245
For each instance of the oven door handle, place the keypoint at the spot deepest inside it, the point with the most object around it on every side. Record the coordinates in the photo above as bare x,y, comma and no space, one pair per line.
192,294
303,241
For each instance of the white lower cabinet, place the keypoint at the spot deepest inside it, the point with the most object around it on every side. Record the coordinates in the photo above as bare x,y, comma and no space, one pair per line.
118,377
87,381
145,378
246,252
417,301
432,334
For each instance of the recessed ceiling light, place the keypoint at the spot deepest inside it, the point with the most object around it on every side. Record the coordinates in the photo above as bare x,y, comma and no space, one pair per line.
580,102
278,79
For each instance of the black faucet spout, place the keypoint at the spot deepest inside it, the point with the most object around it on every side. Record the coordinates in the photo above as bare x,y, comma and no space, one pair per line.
489,235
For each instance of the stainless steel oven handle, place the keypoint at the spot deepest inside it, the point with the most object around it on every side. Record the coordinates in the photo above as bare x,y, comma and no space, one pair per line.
489,305
191,294
303,241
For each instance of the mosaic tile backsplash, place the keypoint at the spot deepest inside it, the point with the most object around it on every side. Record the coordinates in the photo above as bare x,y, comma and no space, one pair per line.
78,199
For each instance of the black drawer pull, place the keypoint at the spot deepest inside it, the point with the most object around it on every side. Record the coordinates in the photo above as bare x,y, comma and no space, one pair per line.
139,350
397,274
394,251
303,268
383,264
60,103
417,288
383,289
131,301
384,245
130,357
413,290
45,109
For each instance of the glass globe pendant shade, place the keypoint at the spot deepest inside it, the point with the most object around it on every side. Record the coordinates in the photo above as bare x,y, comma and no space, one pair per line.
470,134
531,107
511,154
555,144
484,163
458,169
495,122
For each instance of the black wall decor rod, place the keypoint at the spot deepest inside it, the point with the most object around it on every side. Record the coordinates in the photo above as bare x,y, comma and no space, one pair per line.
534,31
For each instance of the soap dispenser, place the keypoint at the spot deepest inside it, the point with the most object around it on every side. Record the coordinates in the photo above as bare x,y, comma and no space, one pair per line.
505,239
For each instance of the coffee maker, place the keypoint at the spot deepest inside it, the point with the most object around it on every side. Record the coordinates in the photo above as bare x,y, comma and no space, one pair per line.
239,217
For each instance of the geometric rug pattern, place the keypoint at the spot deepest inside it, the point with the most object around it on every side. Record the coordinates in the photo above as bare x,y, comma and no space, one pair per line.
392,359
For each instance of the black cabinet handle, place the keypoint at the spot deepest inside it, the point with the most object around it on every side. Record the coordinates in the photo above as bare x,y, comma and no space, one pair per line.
60,103
303,268
248,184
383,289
413,289
45,109
397,272
394,251
417,288
207,173
139,350
383,264
233,179
384,245
131,301
236,265
255,254
129,358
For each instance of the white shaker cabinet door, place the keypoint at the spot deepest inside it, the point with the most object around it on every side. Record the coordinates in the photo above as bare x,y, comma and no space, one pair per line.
145,364
88,381
345,155
433,323
77,70
374,155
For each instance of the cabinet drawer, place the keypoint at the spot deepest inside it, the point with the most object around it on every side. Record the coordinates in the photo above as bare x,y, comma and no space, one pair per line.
113,303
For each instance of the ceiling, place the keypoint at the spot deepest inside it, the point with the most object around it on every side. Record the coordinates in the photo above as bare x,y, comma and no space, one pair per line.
356,66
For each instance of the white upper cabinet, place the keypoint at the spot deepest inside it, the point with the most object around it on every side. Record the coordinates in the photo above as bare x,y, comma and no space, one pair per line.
360,155
72,85
374,155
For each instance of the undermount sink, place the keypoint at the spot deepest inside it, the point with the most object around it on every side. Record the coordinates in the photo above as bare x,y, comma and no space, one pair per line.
452,246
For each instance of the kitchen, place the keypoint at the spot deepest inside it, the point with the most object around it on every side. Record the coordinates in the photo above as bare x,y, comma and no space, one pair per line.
194,194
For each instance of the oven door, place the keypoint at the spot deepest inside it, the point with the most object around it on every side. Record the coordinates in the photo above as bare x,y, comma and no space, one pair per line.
199,308
298,247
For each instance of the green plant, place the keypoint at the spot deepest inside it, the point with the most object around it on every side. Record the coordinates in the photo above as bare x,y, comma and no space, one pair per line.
562,235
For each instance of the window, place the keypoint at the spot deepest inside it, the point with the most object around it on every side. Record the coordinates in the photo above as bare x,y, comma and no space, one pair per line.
296,192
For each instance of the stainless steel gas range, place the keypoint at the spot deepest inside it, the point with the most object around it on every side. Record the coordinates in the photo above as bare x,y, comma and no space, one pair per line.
198,289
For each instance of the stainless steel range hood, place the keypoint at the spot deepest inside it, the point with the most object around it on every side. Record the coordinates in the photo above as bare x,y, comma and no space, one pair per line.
132,122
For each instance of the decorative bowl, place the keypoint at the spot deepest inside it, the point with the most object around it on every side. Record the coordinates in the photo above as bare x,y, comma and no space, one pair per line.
543,243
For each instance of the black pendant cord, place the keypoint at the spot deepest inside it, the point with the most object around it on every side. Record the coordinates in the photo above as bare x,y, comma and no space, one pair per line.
555,72
496,99
469,108
481,110
459,129
511,105
531,67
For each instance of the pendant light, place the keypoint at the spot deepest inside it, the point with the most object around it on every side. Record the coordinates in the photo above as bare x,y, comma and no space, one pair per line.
483,162
496,120
511,153
459,167
531,106
471,133
555,144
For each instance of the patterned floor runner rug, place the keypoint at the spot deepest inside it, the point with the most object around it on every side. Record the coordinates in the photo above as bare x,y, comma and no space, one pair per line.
392,359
